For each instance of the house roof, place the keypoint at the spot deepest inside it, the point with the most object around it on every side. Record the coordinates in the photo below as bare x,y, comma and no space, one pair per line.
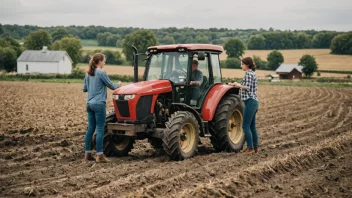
41,56
287,68
190,47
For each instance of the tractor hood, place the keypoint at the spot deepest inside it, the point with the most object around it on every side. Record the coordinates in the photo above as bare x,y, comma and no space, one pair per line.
146,88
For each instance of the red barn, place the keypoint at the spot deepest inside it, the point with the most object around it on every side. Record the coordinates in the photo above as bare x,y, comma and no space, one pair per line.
289,71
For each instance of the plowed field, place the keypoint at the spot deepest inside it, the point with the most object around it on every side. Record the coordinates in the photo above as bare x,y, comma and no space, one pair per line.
305,135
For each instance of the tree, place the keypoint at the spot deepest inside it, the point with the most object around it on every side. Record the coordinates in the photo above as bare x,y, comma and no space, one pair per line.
36,40
279,40
168,40
59,34
234,48
72,46
233,63
12,43
8,59
309,65
218,42
112,39
259,63
201,39
1,29
275,59
141,39
113,58
256,42
323,39
303,41
342,44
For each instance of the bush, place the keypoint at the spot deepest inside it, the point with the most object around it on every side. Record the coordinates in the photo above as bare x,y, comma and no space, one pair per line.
77,72
318,73
260,64
233,63
348,76
113,57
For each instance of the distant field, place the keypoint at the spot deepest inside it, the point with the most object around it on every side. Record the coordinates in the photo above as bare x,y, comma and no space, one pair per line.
89,42
325,60
226,73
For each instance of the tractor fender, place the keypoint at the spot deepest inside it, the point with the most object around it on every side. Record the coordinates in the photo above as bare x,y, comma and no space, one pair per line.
184,107
213,98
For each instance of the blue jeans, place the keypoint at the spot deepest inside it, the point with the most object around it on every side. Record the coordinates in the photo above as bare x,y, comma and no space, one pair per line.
248,125
96,122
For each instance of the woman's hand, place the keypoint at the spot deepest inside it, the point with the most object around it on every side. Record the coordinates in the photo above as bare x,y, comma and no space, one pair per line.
235,84
119,83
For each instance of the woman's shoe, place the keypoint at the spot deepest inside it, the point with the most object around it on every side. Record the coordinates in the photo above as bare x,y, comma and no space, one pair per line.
89,157
256,149
248,151
101,159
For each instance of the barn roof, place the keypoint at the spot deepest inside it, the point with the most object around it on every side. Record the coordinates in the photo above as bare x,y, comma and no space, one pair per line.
42,56
288,68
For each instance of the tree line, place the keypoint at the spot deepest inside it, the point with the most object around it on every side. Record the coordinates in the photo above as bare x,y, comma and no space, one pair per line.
254,38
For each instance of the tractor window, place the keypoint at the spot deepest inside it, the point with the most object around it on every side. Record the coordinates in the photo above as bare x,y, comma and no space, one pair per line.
197,92
168,65
216,68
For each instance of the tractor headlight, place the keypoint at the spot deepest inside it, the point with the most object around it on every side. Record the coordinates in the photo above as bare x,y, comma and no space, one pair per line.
123,97
129,97
115,97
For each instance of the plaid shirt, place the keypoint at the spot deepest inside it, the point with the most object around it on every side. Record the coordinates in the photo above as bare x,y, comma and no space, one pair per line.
250,81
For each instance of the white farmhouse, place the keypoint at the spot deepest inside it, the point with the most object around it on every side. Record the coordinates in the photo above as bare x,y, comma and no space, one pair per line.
44,62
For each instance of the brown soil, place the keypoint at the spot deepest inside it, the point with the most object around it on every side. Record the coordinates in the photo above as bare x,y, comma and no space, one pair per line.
305,135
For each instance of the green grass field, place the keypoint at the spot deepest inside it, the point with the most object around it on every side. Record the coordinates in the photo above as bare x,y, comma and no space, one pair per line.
89,42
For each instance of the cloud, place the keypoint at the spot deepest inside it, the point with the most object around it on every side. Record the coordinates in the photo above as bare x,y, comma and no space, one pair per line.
298,14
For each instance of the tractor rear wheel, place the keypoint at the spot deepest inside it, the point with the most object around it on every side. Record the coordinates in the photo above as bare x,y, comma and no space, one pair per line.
181,136
114,145
226,126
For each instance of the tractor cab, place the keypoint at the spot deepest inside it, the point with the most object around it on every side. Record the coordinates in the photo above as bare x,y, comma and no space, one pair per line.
191,71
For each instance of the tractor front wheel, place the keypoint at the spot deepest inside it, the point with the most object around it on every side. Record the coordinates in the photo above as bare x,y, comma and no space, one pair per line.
181,136
114,145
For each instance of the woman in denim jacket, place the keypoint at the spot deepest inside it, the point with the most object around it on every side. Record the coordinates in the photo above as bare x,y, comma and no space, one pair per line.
95,83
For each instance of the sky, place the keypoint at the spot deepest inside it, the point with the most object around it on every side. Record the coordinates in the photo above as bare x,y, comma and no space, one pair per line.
232,14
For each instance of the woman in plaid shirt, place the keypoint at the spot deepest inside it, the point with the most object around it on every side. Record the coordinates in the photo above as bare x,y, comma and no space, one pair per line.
248,93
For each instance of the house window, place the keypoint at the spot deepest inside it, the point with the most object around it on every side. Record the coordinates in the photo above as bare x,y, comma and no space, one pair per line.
27,67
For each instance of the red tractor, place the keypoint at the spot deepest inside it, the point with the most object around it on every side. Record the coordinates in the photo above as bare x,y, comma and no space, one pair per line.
164,109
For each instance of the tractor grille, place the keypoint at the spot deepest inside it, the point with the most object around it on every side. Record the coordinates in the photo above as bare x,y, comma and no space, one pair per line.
143,107
122,106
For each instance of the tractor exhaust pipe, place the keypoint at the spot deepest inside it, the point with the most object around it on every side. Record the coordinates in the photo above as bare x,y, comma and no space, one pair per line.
135,63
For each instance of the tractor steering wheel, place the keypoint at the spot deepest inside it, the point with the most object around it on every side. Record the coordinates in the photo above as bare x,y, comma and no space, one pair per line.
175,75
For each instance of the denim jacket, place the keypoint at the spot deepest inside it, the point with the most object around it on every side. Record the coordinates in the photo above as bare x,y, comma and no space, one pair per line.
96,86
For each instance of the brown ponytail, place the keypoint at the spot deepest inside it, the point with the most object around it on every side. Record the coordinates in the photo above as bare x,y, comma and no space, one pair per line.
249,62
94,60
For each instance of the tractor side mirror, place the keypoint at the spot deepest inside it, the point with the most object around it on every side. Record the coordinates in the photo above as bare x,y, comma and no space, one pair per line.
201,56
